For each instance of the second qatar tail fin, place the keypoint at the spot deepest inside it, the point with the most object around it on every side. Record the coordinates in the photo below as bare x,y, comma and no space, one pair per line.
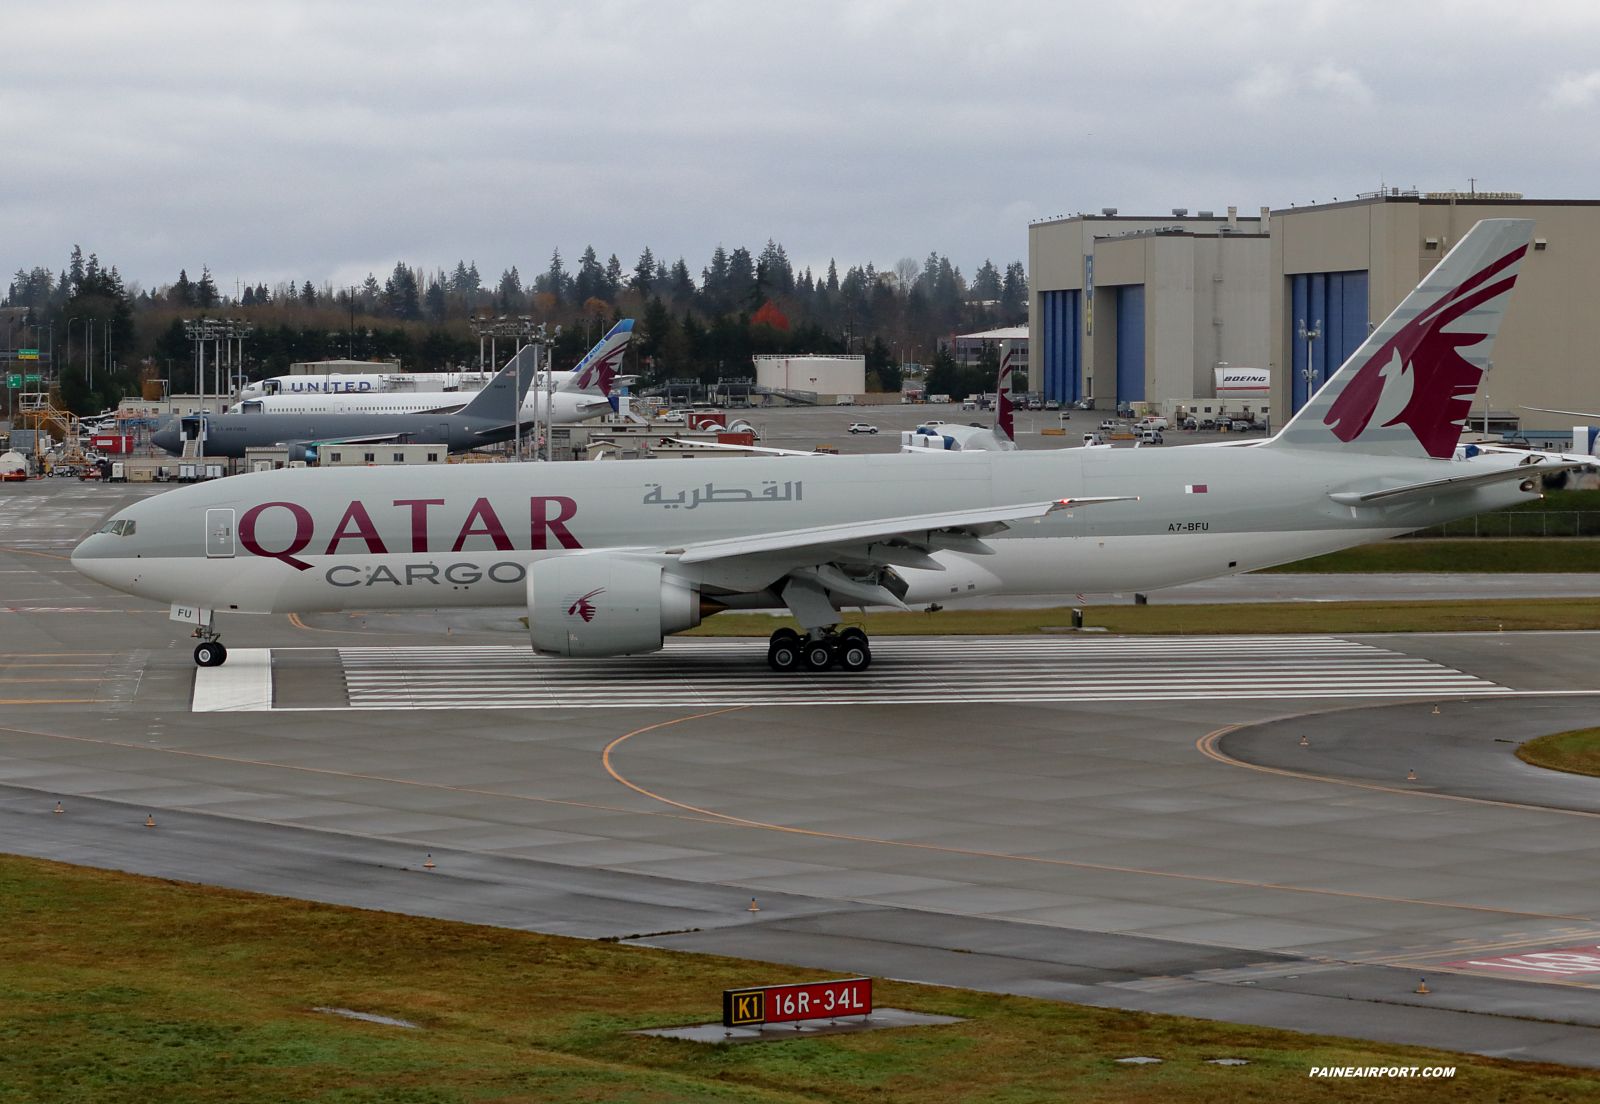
1407,390
1004,421
597,371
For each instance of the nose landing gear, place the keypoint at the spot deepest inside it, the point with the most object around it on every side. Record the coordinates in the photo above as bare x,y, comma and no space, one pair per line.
788,651
209,652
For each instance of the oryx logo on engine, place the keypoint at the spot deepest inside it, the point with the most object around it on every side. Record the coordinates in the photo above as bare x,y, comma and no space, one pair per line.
584,608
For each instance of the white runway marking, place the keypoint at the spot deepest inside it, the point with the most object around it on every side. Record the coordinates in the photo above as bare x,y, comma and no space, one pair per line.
243,684
904,670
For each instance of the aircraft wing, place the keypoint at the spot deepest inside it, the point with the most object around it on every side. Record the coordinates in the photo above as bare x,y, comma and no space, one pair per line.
954,529
746,448
1574,413
1532,466
358,439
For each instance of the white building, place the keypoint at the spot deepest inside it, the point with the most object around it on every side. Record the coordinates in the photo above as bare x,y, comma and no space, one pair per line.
830,375
967,348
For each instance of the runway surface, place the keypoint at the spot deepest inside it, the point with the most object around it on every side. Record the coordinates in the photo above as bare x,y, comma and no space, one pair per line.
1047,804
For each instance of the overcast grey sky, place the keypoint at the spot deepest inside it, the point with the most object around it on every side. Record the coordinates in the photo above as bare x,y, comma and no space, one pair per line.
284,139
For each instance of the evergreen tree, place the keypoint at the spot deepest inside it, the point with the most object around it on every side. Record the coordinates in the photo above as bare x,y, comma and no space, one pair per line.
681,282
833,276
308,294
714,281
555,280
741,279
205,292
589,283
465,281
31,289
1014,292
74,271
986,284
370,291
511,296
434,300
249,299
400,293
780,273
880,363
182,291
644,273
613,279
656,332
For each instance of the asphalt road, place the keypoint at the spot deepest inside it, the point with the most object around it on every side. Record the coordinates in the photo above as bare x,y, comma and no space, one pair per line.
1087,850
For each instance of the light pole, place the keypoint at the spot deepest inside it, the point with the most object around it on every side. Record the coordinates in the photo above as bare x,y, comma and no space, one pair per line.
1308,336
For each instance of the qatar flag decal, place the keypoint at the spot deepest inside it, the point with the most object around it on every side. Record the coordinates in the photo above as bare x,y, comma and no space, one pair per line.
1194,488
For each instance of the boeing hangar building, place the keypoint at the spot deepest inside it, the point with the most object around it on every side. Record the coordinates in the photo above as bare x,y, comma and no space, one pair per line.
1141,311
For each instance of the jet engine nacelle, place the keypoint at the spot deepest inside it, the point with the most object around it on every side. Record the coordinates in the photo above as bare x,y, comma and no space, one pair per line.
605,605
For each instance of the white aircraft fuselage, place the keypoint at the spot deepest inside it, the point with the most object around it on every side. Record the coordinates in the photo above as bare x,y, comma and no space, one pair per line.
328,539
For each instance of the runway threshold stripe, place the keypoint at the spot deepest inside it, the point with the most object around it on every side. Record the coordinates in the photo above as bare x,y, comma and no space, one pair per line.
906,670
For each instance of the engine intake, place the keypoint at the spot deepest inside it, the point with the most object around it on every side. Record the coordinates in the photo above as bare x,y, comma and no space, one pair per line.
606,605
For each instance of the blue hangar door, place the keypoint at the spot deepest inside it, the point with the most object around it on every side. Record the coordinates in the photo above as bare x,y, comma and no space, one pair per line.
1334,305
1061,360
1130,344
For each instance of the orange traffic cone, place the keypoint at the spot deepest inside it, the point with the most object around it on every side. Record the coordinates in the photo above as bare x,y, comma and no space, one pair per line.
150,822
1411,776
752,907
1304,742
59,809
1423,988
429,863
1436,709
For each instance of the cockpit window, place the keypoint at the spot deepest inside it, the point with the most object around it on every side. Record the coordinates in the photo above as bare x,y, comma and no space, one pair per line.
122,527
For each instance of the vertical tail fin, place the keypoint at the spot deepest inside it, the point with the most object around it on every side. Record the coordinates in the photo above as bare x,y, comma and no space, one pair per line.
598,371
1407,390
501,397
1004,420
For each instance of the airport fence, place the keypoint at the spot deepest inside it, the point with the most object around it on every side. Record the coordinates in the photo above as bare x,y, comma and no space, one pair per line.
1519,523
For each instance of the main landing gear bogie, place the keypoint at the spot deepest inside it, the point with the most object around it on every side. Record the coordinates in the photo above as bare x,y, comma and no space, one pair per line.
789,651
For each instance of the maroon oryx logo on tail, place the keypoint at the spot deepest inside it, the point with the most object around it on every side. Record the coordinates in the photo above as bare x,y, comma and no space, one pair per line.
1442,380
583,607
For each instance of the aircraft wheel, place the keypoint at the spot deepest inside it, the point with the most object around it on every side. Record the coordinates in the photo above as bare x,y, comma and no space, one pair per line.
784,655
787,635
210,654
854,655
817,655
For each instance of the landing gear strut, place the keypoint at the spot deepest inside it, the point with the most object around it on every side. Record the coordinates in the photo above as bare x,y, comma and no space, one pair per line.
788,651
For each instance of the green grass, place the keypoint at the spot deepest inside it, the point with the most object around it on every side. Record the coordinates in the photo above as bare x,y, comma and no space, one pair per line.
117,988
1576,752
1510,614
1445,554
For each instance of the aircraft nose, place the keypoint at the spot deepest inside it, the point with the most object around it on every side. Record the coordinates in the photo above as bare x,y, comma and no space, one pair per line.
166,439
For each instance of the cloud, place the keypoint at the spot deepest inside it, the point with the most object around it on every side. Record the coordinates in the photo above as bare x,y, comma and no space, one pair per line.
313,140
1575,90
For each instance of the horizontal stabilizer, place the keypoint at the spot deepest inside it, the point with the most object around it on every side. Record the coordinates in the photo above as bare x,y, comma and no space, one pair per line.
1531,468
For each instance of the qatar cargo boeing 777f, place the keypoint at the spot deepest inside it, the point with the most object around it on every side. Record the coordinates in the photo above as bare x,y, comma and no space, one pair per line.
610,557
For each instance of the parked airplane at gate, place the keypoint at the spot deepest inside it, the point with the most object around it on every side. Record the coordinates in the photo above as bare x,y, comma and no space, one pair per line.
609,558
581,393
490,417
